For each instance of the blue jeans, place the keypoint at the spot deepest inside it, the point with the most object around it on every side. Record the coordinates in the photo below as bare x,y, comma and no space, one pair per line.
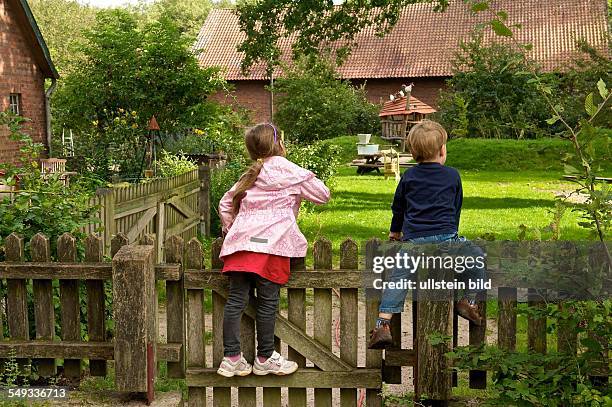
392,301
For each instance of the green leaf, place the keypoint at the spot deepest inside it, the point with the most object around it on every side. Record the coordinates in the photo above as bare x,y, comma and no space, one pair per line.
500,28
481,6
502,15
589,106
603,90
553,120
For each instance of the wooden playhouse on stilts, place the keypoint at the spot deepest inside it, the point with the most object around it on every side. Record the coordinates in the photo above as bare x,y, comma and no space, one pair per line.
400,113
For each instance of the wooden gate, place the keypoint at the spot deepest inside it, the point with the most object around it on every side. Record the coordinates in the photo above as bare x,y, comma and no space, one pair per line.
326,351
164,207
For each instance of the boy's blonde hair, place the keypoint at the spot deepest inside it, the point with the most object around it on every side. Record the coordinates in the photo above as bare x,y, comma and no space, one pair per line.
426,139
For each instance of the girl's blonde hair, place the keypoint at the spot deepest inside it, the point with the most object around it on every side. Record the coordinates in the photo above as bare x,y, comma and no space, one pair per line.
262,141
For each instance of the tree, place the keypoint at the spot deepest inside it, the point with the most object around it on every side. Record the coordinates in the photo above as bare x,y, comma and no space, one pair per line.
188,15
62,23
127,75
149,70
314,104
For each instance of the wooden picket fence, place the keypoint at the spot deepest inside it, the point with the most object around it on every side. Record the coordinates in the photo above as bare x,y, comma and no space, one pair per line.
337,307
164,206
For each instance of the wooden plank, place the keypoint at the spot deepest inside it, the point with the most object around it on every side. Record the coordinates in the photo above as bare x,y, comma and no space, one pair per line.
272,395
247,396
175,294
393,374
76,271
373,356
107,198
70,304
44,315
506,321
506,296
322,253
182,207
300,380
299,279
142,223
204,199
296,298
435,316
400,357
536,327
77,349
150,201
17,296
134,312
222,396
160,230
567,336
349,318
182,226
96,308
345,279
477,337
195,321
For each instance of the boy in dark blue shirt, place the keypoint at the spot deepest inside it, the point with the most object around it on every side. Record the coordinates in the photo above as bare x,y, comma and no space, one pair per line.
426,209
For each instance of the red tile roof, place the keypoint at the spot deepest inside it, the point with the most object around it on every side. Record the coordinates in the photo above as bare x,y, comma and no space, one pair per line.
423,43
398,107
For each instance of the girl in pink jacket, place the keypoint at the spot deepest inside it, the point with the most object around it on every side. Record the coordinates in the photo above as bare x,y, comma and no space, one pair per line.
261,235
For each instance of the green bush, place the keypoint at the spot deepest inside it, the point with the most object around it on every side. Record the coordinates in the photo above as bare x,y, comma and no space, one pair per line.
171,165
43,203
320,158
315,104
490,94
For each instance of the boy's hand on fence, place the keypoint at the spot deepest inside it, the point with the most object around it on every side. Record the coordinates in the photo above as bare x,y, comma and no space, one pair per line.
395,236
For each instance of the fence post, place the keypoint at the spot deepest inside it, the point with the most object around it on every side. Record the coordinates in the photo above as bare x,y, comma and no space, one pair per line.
134,312
435,317
107,196
204,199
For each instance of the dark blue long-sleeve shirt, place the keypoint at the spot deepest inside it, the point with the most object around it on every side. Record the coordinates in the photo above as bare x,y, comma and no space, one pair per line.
427,201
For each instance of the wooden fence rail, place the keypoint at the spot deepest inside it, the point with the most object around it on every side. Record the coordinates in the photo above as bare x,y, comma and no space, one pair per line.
324,327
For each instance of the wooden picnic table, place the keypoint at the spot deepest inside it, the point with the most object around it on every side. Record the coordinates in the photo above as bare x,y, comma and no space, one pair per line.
372,162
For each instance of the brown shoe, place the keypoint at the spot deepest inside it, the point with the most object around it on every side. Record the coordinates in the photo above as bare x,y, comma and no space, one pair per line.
380,337
468,311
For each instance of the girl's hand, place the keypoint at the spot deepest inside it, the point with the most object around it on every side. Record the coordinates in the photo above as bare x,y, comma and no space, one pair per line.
395,236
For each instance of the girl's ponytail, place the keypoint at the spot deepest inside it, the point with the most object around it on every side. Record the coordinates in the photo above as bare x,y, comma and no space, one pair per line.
245,182
261,142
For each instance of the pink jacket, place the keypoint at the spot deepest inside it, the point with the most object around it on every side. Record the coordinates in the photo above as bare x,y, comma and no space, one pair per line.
266,222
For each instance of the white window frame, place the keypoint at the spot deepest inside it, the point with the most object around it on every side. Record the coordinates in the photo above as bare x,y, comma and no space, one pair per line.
15,103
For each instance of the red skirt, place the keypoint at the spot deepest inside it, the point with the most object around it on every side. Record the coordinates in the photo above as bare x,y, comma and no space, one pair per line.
269,266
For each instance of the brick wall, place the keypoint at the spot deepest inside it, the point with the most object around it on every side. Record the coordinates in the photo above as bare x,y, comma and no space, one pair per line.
250,95
253,96
19,74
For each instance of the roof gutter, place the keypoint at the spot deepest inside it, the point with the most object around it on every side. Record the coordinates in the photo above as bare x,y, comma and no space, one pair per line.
48,94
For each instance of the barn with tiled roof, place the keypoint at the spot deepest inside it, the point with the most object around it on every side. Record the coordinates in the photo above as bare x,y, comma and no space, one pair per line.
419,49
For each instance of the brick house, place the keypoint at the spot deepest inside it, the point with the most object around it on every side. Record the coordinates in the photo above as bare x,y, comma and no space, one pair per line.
25,64
419,49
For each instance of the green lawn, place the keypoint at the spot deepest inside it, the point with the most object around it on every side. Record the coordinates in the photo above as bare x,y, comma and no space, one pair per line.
494,203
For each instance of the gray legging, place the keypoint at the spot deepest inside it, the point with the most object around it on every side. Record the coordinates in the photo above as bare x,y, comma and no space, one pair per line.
267,298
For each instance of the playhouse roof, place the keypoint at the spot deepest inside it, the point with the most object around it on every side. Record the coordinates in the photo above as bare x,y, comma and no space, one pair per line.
423,43
398,107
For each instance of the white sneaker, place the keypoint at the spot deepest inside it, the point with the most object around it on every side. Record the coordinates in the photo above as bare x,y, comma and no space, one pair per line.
275,364
238,368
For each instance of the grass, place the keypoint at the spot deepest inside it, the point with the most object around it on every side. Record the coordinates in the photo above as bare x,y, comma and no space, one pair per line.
495,203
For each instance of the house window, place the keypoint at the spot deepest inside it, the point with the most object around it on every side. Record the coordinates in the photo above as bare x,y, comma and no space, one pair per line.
15,103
